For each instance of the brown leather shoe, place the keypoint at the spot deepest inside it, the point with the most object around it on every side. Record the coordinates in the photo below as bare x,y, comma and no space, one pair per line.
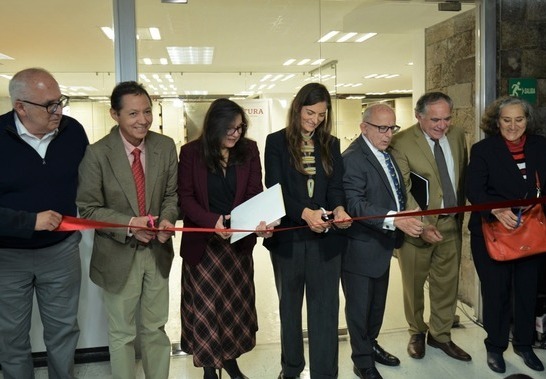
416,346
450,349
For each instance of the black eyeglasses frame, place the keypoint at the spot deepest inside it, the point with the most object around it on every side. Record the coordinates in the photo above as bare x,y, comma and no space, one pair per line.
385,128
51,107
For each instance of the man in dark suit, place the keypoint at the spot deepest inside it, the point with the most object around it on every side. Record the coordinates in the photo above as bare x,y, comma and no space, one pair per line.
132,264
423,149
373,186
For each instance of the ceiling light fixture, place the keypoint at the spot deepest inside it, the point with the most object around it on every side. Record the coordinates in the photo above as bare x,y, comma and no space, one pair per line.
175,1
108,32
365,37
347,36
325,66
155,34
288,77
3,56
190,54
328,35
289,62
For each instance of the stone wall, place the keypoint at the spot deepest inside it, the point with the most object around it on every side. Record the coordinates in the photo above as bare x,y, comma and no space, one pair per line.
451,68
522,46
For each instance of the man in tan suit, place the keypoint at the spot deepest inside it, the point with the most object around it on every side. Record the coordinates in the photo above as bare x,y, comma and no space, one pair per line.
437,151
132,264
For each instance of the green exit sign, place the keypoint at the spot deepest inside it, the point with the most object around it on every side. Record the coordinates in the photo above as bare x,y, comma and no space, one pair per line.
526,88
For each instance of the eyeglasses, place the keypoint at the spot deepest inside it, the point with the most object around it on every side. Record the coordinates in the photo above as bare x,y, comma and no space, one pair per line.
385,128
238,129
51,107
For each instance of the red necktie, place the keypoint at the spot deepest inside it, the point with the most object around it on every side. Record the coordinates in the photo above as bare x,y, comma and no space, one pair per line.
140,183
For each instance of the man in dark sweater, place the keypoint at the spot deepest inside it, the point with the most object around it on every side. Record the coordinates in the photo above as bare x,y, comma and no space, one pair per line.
40,151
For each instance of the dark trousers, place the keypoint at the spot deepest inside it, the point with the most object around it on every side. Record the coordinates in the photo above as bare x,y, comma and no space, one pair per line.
509,290
365,299
305,271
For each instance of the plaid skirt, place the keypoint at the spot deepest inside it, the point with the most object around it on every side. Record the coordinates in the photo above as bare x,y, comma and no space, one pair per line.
218,310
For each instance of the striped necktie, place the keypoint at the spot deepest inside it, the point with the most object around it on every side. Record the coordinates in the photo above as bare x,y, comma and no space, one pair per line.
140,183
392,173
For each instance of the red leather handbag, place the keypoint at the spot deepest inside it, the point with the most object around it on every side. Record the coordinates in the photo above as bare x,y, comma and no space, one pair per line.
527,239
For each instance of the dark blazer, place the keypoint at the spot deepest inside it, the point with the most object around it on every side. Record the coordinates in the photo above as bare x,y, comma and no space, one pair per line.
328,192
368,193
492,174
194,198
107,192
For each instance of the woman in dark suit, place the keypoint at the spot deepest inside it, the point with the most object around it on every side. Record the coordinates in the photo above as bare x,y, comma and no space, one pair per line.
305,159
502,167
218,171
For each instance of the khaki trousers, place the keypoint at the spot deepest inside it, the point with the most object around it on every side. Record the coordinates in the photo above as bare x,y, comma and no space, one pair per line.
147,293
439,263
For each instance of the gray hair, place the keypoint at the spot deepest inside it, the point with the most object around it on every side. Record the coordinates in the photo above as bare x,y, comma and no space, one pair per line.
430,98
19,84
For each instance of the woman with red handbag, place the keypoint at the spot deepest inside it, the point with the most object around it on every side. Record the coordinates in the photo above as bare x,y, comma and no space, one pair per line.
502,167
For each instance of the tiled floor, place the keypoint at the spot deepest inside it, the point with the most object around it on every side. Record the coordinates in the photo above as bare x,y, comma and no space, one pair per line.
263,361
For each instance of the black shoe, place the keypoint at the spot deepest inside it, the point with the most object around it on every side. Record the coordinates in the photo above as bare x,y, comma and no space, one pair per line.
281,376
233,370
367,373
530,359
210,373
495,361
383,357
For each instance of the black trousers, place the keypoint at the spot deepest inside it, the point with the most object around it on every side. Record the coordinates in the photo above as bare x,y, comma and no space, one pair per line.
509,292
365,299
306,271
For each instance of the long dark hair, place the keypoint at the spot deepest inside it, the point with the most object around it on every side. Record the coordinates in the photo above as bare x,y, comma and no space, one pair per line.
310,94
220,115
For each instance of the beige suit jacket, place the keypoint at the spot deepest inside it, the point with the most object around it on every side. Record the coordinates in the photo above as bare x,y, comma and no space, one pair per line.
412,152
107,192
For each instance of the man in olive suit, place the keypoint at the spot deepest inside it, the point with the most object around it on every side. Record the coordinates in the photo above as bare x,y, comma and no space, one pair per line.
435,150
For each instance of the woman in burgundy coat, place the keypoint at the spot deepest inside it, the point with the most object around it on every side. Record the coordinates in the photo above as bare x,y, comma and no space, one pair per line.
217,172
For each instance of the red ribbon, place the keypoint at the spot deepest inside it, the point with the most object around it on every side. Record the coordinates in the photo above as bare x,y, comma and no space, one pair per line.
73,223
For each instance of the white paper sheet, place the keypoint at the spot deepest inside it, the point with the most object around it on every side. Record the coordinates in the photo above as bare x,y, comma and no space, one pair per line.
267,206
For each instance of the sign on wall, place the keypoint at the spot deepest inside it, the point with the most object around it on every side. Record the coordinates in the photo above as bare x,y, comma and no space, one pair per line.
525,88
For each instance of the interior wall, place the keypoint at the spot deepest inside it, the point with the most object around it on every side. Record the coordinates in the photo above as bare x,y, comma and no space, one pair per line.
403,108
